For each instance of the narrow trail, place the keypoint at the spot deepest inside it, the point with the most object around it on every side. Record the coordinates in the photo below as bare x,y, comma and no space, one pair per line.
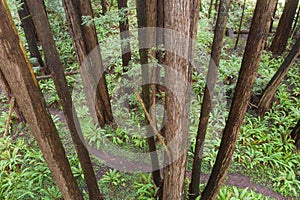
243,182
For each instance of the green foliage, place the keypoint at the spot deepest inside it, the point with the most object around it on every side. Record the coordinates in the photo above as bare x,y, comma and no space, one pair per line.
234,193
24,174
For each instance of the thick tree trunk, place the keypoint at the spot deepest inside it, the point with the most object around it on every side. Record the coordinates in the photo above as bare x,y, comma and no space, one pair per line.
182,17
124,35
255,44
208,94
142,22
86,46
55,66
296,135
278,77
30,34
15,66
284,27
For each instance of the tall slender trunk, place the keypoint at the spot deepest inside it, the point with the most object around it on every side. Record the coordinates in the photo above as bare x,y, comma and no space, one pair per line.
274,15
30,34
89,57
146,95
208,94
283,30
55,66
240,26
258,32
15,67
104,6
276,80
296,21
124,35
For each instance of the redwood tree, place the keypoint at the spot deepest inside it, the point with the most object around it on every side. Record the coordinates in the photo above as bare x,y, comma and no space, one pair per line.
284,27
86,46
208,94
181,16
124,33
16,69
278,77
142,13
30,34
55,66
258,32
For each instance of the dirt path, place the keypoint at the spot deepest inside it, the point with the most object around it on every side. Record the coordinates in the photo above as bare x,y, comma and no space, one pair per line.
241,181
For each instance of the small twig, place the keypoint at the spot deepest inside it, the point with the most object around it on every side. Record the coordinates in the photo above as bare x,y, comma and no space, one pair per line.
70,73
159,136
7,126
253,105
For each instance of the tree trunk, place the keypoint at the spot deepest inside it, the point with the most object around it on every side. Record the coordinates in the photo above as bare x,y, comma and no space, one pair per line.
182,17
124,35
45,34
142,23
17,71
86,46
240,26
30,34
255,44
210,8
272,86
104,6
284,27
296,135
274,15
208,94
296,22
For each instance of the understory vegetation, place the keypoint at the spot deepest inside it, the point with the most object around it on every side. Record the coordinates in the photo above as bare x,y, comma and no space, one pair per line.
265,152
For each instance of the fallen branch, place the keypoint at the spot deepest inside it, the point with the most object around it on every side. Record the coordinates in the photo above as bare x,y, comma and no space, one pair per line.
70,73
158,134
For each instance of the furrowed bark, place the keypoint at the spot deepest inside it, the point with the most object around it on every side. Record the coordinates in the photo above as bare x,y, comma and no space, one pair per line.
15,66
89,57
258,32
208,94
55,66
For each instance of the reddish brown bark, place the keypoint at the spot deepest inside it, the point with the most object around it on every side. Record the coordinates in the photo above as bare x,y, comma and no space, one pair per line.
182,17
208,93
30,34
86,46
143,21
269,92
55,66
258,32
284,27
124,35
16,69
